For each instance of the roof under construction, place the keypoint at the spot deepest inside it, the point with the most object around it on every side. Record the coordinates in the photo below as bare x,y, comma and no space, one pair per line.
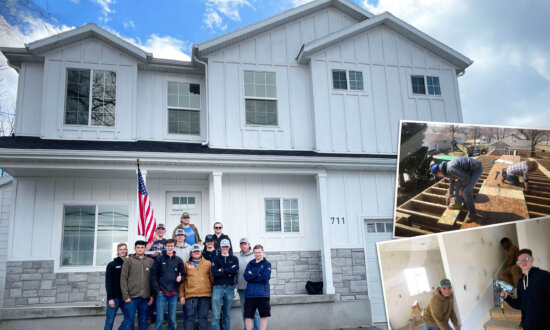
496,202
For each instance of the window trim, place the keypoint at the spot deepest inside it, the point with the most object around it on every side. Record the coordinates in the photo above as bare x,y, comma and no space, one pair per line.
266,98
408,284
426,95
347,69
165,107
168,108
282,233
57,251
64,124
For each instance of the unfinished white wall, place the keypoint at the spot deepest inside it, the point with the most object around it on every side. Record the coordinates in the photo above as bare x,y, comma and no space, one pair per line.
471,260
393,264
535,235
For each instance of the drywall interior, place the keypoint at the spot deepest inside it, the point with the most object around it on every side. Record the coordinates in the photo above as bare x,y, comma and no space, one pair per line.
535,235
394,259
472,258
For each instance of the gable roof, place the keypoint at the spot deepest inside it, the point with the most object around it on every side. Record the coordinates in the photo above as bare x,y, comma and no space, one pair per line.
272,22
84,32
460,61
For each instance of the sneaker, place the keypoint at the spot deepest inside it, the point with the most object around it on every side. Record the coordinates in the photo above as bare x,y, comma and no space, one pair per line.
472,217
455,206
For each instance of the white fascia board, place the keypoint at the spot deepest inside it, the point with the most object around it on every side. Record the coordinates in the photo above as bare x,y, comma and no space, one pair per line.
460,61
114,159
5,180
82,33
248,31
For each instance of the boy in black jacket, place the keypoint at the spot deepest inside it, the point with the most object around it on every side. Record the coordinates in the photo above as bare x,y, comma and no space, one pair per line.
112,286
225,269
167,272
533,292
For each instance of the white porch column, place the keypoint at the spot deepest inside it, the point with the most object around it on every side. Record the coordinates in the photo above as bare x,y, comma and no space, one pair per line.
216,194
326,259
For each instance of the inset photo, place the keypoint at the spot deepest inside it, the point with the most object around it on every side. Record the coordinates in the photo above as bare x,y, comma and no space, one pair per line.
493,277
457,176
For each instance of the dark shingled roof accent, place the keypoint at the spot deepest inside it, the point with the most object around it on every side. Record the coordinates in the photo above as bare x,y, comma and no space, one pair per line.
27,142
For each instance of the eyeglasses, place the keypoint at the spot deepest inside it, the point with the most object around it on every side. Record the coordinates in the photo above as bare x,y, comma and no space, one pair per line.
526,259
218,227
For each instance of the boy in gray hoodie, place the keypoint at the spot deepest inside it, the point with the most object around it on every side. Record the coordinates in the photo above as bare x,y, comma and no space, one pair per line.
246,254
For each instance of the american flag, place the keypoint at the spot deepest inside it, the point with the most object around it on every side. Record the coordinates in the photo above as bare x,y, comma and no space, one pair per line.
147,221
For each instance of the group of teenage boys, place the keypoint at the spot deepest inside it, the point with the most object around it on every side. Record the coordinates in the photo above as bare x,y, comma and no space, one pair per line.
166,272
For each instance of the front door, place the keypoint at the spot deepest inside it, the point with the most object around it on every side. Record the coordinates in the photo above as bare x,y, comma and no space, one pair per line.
178,202
376,231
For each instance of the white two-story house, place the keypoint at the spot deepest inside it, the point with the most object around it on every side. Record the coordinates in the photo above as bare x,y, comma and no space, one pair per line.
286,131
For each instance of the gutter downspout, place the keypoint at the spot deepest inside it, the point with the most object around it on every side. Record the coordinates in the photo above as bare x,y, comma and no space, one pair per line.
205,143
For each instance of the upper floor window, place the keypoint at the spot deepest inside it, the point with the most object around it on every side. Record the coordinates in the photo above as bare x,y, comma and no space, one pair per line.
92,232
340,80
91,97
184,105
290,215
260,93
421,84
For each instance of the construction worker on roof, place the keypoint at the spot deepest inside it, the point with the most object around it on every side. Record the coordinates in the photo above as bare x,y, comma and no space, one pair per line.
463,173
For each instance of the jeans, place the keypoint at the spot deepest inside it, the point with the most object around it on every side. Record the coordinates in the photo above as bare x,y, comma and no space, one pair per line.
427,327
111,313
222,293
194,305
468,190
256,320
514,180
139,305
161,307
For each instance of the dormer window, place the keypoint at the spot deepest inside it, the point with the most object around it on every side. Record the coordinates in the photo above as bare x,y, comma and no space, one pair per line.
91,98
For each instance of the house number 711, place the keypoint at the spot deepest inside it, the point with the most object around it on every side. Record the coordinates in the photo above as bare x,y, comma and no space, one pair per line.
337,219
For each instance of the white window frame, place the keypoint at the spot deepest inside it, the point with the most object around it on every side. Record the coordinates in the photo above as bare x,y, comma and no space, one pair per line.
426,95
347,69
282,233
165,107
168,108
58,233
90,96
244,98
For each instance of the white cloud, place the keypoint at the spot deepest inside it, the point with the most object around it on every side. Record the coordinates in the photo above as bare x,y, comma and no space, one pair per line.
212,17
75,1
509,82
106,9
129,24
30,29
296,3
166,47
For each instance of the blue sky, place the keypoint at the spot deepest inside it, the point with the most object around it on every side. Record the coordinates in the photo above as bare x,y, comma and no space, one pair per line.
509,41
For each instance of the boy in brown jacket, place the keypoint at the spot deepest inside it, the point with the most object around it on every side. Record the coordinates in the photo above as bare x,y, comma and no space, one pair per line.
195,293
135,286
440,308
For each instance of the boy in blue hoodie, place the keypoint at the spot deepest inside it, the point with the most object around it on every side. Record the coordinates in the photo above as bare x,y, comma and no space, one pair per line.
257,274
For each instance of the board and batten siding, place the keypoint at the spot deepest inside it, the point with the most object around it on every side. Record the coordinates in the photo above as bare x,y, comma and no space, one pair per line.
29,99
87,54
368,121
354,196
152,106
37,226
273,51
244,210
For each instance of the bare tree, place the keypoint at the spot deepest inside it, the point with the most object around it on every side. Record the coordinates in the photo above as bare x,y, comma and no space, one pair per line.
535,136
